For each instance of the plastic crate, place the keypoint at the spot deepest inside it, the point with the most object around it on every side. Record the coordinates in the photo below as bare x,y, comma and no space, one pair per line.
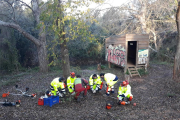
51,100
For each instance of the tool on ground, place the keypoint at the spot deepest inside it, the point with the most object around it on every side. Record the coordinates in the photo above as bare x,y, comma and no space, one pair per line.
109,104
6,103
21,93
124,102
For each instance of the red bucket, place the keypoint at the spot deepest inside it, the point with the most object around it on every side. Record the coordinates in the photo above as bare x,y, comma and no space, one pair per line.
41,101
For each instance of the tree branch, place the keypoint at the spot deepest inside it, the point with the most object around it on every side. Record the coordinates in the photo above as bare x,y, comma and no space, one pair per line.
26,5
9,17
18,28
162,54
11,7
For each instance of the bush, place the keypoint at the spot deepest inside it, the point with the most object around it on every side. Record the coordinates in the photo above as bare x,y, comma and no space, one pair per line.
142,72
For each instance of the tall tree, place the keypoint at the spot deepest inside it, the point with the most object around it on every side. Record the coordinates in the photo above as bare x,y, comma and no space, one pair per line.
69,22
40,42
63,43
176,72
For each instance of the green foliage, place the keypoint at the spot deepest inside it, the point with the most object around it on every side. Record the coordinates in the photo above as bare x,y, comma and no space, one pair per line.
8,56
71,23
162,62
142,72
167,50
92,67
8,82
170,94
127,72
76,69
56,68
103,67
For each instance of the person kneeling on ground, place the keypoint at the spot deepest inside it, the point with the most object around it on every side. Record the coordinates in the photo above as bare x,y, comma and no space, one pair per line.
110,79
80,85
124,92
70,82
57,86
95,83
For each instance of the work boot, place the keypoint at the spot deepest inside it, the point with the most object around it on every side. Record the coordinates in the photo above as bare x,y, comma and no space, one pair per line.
79,97
112,92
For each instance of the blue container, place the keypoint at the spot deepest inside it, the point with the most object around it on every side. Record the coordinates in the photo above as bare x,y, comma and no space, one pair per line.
51,100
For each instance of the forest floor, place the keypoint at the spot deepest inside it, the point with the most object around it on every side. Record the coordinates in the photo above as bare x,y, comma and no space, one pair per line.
157,97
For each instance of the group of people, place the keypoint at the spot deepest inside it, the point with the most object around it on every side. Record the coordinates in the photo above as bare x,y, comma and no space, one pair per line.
77,85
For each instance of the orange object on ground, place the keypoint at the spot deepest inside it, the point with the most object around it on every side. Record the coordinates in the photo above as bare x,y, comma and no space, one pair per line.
108,106
123,103
5,94
134,104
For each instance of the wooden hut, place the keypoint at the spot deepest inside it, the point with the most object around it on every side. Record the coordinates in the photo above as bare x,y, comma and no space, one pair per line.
129,51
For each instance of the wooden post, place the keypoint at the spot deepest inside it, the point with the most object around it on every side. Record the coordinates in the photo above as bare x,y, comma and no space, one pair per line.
127,77
109,64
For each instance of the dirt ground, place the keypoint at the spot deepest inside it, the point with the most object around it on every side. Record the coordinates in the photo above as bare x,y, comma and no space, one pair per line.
156,95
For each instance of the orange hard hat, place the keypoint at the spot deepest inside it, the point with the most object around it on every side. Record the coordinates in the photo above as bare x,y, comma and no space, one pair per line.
124,83
72,74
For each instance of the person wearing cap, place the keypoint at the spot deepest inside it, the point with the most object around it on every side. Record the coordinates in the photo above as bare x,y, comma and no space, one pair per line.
95,83
70,82
57,86
110,79
80,86
124,92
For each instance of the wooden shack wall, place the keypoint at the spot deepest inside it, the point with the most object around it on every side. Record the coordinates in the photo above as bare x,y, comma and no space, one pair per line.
116,50
142,56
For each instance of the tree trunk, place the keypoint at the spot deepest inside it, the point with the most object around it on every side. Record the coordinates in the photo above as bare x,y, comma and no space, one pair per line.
142,17
64,50
42,54
176,71
65,60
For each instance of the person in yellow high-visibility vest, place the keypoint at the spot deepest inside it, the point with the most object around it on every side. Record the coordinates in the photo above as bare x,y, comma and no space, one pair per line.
110,79
124,92
95,83
70,82
56,84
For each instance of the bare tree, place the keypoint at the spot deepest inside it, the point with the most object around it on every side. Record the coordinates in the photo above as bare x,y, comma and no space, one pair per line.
141,16
40,42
